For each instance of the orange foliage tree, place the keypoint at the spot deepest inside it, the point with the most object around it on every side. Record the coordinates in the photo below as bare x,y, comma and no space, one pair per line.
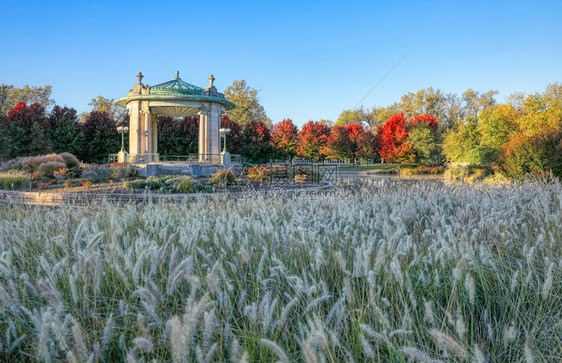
313,138
285,138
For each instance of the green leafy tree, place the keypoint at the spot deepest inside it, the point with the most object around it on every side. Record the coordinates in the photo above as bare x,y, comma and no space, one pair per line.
102,104
248,107
476,102
10,96
347,117
339,145
463,144
4,137
543,112
378,116
497,125
425,142
63,129
444,107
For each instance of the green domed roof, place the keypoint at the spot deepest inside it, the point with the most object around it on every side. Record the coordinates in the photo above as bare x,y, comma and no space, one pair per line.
175,86
173,94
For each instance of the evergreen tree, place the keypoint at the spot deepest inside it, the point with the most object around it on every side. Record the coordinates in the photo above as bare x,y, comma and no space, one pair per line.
99,137
64,129
234,138
178,136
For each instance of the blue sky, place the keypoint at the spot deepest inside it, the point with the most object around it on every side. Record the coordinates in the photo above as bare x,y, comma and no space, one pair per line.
309,59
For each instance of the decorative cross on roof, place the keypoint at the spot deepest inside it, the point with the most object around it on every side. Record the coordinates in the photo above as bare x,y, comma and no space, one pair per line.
140,77
211,80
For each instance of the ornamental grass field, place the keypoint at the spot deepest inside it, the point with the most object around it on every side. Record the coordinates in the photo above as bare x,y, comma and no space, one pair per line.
398,272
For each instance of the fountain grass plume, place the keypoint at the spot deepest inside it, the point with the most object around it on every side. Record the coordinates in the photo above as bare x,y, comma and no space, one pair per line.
387,272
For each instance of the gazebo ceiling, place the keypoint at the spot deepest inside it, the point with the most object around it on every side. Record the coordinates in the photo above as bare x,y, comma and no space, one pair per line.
174,98
174,111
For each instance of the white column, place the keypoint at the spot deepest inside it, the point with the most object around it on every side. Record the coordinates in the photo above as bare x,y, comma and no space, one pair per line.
206,141
147,134
201,145
135,128
154,129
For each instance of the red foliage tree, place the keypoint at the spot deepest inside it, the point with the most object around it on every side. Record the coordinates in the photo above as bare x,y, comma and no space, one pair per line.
256,141
27,130
285,138
367,145
428,119
234,138
339,145
392,138
313,137
354,131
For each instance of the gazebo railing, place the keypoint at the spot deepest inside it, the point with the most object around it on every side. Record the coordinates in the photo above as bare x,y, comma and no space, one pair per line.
184,159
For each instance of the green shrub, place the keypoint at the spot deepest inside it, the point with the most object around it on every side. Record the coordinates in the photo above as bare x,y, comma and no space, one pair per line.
456,173
468,173
143,184
223,178
169,184
421,170
13,180
121,171
184,185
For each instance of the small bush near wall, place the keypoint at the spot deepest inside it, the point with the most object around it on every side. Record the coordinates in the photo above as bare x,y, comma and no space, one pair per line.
13,180
257,173
47,170
96,173
169,184
422,169
44,166
223,178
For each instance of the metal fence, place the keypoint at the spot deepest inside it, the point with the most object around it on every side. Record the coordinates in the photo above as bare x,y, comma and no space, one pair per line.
297,173
183,159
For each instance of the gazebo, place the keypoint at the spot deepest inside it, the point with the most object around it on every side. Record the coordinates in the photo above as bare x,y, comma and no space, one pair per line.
174,98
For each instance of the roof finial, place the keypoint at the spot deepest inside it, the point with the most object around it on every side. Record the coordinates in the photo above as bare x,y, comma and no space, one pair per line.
177,75
140,77
211,80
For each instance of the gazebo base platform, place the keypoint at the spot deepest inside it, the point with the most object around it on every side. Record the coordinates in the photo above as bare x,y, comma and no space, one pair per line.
193,170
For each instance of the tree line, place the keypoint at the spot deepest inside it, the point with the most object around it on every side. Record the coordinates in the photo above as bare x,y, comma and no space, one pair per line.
518,137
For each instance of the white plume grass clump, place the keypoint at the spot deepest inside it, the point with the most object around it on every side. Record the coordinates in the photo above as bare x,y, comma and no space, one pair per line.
384,271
